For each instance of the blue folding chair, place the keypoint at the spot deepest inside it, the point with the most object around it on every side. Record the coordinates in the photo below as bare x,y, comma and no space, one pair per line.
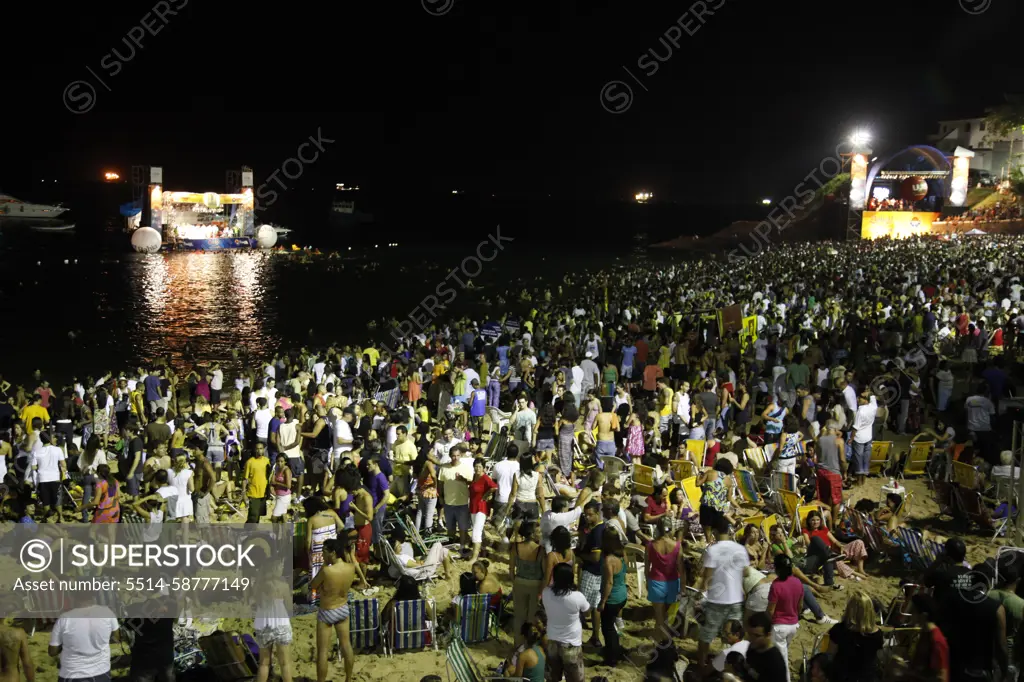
364,623
411,624
477,621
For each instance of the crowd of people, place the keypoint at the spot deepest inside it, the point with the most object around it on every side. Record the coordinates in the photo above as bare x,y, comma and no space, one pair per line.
562,446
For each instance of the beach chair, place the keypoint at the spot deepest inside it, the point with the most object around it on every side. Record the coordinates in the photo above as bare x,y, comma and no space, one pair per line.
965,475
747,486
898,642
643,480
880,451
498,419
635,563
425,573
1005,493
973,506
614,468
229,657
756,460
421,542
898,614
681,468
477,620
134,525
999,555
912,544
794,509
767,524
697,448
917,460
411,626
693,493
46,607
689,605
364,623
785,482
820,646
459,667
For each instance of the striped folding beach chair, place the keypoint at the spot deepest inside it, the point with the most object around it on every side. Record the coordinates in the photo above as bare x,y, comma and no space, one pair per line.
785,482
411,626
364,623
477,621
909,540
46,607
756,459
461,668
747,487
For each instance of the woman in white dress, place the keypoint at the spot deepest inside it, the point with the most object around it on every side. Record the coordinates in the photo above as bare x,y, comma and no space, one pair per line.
180,476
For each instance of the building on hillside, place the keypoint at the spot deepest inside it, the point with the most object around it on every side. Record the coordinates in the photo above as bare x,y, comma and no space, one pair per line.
991,152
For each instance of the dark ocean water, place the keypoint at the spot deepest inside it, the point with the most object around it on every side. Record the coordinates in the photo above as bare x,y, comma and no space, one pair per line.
83,302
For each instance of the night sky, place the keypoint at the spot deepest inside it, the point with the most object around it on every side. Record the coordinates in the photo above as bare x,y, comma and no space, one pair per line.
495,97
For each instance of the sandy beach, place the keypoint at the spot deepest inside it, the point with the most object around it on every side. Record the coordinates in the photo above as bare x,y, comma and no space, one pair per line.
414,666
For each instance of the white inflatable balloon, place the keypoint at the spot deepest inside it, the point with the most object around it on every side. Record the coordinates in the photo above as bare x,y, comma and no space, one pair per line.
146,240
266,236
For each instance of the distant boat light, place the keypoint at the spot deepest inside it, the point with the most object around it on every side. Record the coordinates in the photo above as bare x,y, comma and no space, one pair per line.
111,177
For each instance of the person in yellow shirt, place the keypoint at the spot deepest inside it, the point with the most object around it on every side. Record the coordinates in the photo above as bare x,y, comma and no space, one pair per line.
32,410
440,367
255,484
403,454
373,353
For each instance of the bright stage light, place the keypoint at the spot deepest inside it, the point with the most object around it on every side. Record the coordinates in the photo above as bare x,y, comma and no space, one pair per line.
766,202
860,138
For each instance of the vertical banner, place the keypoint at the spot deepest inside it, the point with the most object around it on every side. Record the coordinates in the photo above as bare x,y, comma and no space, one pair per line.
749,332
858,181
958,188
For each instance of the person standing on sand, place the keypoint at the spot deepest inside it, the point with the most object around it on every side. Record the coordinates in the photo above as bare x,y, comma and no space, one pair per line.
14,653
333,583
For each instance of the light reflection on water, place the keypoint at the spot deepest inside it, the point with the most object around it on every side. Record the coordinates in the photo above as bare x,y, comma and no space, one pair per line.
213,300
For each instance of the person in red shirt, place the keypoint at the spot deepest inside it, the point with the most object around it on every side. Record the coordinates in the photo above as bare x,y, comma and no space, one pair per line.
932,652
651,375
480,491
641,350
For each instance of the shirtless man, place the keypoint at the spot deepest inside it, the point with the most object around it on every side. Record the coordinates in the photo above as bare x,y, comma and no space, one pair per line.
333,582
205,477
14,650
607,425
159,461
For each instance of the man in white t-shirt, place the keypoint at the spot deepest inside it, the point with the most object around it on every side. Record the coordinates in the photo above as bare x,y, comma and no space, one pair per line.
443,447
216,383
288,434
504,474
48,470
81,637
555,517
261,420
725,564
732,635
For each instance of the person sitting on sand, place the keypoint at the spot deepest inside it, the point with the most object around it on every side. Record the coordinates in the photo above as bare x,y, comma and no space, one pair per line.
333,583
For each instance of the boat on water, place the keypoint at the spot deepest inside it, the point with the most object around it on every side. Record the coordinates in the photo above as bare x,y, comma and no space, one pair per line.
67,227
350,207
14,208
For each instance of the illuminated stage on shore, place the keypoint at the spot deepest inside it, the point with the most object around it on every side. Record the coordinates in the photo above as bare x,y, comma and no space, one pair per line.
896,224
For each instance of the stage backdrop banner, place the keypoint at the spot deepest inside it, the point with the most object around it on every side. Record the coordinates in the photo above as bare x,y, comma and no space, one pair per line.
730,319
896,224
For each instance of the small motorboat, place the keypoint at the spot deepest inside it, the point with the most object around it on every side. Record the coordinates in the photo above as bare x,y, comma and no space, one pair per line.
54,228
